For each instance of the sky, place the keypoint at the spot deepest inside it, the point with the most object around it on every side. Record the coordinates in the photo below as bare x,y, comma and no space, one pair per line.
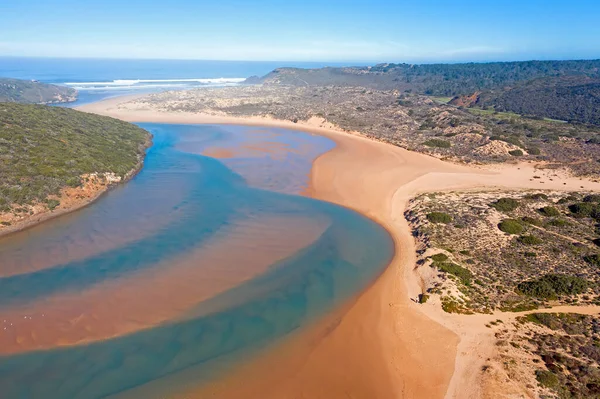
310,30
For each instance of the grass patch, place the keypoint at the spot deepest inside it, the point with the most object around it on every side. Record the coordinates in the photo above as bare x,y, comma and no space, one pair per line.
464,275
529,240
549,211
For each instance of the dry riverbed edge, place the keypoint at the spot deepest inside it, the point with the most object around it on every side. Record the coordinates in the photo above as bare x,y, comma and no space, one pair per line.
389,345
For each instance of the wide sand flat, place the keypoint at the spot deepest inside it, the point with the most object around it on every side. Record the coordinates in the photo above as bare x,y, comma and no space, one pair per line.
383,344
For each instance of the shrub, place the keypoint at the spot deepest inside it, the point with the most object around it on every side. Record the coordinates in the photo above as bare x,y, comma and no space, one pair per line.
439,217
438,143
550,286
439,257
423,298
529,240
516,153
593,260
536,196
510,226
505,204
52,203
584,210
592,198
549,211
532,221
547,379
558,223
464,275
534,151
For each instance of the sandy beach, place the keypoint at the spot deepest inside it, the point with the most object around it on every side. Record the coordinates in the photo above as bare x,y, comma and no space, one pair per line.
383,344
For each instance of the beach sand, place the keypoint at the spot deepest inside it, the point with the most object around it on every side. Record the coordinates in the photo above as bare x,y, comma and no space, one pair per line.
382,344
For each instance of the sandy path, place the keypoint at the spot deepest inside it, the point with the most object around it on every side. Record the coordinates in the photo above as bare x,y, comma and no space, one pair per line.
383,345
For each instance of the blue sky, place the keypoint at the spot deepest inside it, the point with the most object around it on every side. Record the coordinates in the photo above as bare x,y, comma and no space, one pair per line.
311,30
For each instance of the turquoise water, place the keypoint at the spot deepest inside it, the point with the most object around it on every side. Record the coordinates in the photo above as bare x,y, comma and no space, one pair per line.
181,201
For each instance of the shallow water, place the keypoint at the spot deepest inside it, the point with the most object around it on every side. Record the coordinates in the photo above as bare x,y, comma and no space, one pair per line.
197,263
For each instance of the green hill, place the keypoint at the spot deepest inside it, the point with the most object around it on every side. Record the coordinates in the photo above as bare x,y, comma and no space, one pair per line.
45,149
30,92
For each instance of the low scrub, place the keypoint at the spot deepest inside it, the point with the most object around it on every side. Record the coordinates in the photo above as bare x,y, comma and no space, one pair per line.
510,226
529,240
505,204
439,217
437,143
463,274
550,286
549,211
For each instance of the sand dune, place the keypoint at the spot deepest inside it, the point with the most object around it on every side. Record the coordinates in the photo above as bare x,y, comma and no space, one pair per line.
382,344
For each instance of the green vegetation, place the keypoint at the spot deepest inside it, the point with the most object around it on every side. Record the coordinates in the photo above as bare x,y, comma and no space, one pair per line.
423,298
532,221
550,286
439,257
547,379
26,91
505,204
437,143
44,149
510,226
516,153
439,217
463,274
593,260
585,210
529,240
549,211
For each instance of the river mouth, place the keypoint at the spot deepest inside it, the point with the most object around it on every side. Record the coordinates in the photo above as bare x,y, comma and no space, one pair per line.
205,258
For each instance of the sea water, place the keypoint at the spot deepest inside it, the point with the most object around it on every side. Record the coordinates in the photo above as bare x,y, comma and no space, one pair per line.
169,239
97,79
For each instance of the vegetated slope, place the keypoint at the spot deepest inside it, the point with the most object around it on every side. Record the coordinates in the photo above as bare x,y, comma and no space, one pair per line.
46,149
433,79
568,98
29,92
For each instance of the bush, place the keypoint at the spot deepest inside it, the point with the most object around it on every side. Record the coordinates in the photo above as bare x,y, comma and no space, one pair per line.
516,153
439,217
593,260
532,221
547,379
558,223
510,226
585,210
550,286
549,211
437,143
505,204
52,203
534,151
423,298
529,240
592,198
439,257
536,196
464,275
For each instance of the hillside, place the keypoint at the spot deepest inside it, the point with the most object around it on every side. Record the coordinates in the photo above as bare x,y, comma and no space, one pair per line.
568,98
54,157
29,92
433,79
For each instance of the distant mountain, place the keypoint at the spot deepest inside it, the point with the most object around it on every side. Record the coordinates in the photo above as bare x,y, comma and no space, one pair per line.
433,79
32,92
568,98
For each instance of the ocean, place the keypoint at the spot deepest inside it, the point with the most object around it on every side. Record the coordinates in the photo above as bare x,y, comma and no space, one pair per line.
97,79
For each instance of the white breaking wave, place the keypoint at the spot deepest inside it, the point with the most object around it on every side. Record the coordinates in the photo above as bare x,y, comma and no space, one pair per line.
143,83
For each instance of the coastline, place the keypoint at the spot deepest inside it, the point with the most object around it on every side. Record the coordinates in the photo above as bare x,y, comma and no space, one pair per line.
389,345
78,204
